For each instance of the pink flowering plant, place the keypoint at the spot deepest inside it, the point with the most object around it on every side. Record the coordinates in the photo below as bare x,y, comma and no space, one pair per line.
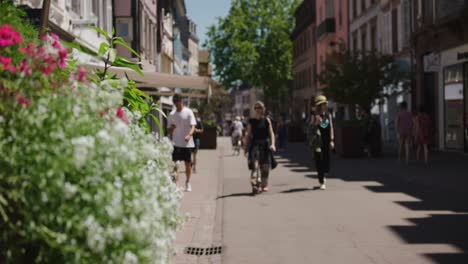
81,180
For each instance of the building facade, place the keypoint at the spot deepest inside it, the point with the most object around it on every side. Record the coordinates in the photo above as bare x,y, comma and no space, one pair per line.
244,100
70,19
441,53
193,48
363,25
204,65
332,30
304,85
136,22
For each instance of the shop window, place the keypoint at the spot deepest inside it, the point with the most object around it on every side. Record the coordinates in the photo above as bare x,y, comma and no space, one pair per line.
395,30
363,40
76,6
454,107
124,28
354,8
466,106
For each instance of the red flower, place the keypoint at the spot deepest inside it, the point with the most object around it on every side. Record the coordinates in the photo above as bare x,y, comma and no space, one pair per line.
8,36
121,114
5,62
22,100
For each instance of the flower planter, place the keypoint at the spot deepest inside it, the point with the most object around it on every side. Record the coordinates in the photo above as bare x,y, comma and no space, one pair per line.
208,139
296,133
348,140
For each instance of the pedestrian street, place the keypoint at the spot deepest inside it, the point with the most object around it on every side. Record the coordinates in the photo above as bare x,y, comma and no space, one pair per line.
373,211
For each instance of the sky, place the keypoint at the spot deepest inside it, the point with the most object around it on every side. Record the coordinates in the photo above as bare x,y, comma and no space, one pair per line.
204,13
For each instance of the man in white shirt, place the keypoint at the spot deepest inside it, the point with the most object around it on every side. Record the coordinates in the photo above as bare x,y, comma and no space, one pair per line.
181,123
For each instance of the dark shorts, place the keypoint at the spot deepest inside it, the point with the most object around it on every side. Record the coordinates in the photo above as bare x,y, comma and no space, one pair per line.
197,145
182,154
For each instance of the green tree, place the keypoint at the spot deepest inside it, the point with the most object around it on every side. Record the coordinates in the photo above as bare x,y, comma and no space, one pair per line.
360,78
252,46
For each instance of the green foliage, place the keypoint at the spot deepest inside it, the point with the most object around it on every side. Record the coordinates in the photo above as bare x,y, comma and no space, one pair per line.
80,179
135,99
10,14
209,124
359,78
252,45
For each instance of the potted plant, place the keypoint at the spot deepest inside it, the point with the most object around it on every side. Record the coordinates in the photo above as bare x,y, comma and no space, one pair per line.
208,139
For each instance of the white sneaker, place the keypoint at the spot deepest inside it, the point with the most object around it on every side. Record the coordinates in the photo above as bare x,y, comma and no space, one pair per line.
322,187
188,187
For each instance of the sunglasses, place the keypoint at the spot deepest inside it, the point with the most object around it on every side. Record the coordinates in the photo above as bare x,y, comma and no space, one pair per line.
258,107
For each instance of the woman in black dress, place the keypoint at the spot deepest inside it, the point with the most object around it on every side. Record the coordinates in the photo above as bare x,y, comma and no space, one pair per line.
260,139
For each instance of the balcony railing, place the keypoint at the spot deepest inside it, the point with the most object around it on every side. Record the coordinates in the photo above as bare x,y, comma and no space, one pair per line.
326,27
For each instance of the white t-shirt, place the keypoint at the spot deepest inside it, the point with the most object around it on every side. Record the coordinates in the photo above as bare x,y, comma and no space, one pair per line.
183,121
237,128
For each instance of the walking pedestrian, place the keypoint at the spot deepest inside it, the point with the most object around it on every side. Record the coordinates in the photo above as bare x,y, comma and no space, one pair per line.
182,124
236,135
260,140
323,123
423,133
196,138
404,126
281,130
367,133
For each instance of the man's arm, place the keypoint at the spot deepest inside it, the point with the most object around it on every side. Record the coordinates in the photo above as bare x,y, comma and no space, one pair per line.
200,130
192,130
332,133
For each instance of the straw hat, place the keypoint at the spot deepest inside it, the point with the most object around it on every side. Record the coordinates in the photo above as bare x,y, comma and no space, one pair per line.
237,118
320,99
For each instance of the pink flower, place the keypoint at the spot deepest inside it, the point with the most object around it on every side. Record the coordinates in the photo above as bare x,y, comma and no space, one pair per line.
121,114
20,99
81,75
5,61
6,64
8,36
10,68
47,70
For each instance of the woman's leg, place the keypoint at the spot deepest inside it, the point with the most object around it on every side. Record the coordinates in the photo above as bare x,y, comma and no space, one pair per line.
319,166
326,164
418,150
400,147
407,149
426,153
265,170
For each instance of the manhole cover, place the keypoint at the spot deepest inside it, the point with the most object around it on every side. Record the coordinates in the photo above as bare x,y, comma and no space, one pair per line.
199,251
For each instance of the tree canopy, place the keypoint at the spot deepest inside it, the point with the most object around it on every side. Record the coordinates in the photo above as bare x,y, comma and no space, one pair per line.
360,78
252,46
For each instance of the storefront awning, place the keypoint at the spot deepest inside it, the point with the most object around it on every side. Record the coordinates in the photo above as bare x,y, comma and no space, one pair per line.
150,81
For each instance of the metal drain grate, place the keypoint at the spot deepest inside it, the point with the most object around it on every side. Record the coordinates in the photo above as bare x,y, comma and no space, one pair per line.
197,251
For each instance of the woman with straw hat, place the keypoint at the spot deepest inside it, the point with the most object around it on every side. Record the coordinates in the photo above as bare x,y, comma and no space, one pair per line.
323,122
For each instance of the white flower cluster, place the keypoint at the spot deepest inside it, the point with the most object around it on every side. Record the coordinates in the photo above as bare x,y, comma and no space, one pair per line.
91,187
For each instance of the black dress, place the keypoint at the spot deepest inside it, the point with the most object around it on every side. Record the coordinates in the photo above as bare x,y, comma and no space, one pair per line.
260,141
322,158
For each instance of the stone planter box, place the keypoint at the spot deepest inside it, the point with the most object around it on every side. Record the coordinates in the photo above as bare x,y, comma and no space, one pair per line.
208,139
348,140
296,133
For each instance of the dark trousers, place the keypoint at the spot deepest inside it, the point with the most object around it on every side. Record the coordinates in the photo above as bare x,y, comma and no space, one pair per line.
322,163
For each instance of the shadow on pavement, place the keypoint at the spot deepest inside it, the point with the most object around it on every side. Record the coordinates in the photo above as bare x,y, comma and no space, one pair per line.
439,187
300,190
234,195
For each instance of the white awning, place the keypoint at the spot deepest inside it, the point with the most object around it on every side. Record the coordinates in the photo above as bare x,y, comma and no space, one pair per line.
157,79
